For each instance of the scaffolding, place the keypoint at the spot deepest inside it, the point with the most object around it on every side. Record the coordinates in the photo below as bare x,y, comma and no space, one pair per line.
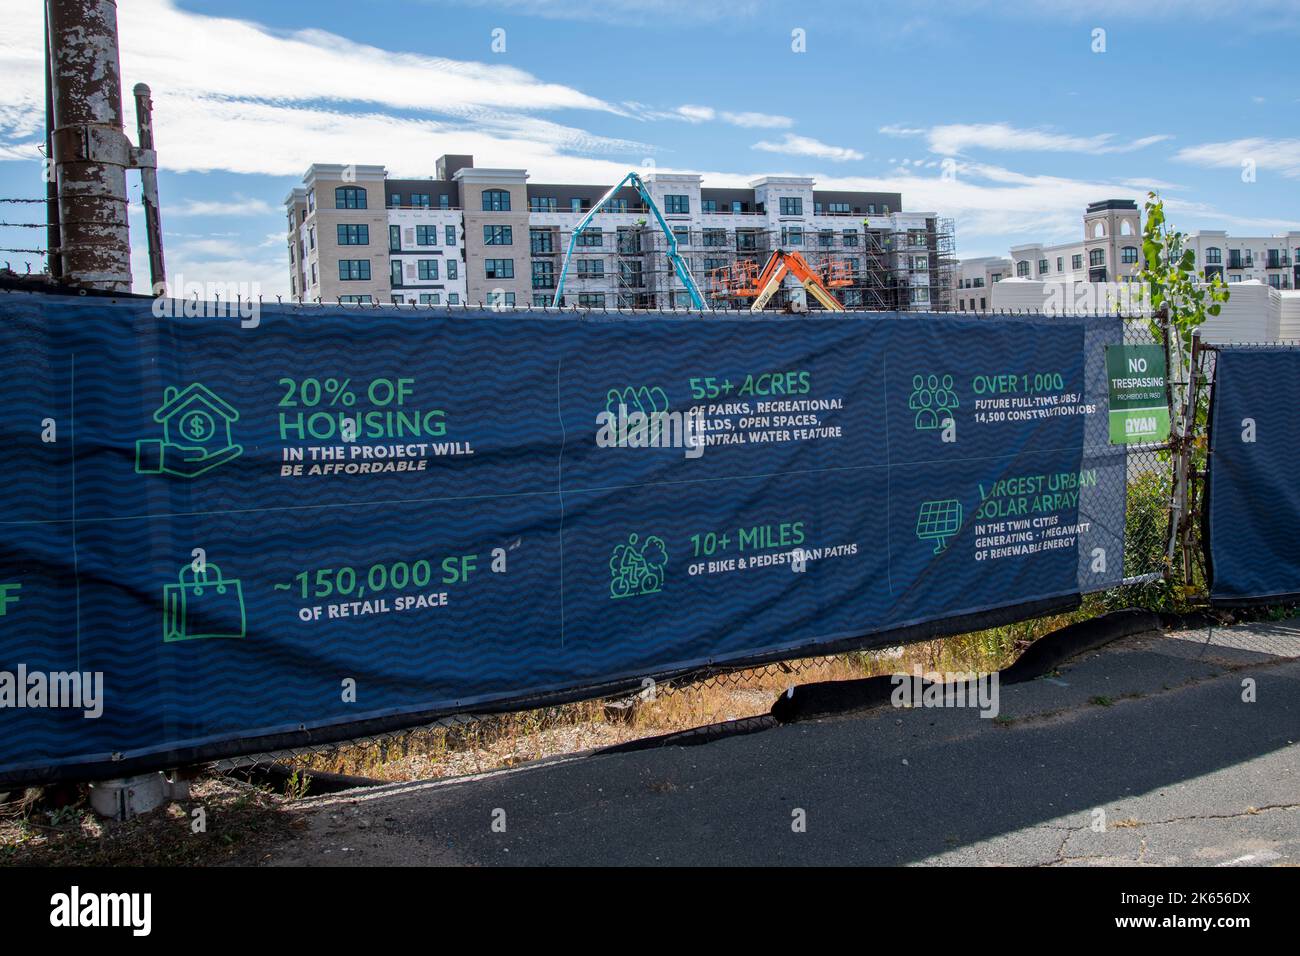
621,262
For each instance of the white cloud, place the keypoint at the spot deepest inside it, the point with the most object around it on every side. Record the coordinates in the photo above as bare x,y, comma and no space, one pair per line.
757,120
693,113
200,65
236,206
696,114
1282,155
625,12
795,145
956,138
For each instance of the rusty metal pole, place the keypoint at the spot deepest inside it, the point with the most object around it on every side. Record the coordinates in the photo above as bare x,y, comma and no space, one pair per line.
146,160
90,150
52,239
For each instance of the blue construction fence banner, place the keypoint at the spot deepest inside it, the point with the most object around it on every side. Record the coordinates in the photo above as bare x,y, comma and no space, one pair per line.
218,531
1252,508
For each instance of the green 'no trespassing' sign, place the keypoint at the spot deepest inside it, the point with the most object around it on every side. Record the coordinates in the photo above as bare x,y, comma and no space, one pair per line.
1139,403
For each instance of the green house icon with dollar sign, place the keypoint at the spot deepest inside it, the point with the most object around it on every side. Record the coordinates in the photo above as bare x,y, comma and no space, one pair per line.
196,417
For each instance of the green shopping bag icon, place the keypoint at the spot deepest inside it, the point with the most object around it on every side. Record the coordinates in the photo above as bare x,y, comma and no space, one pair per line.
202,604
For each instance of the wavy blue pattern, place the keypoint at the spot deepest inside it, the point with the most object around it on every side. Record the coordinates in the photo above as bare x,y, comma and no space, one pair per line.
94,543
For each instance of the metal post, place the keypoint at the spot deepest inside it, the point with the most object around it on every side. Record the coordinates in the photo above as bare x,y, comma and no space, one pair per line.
1189,440
52,239
146,161
90,151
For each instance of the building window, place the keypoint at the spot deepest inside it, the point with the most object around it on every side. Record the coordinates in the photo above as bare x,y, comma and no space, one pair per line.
453,298
1042,266
715,237
1129,255
616,205
791,236
451,235
1214,256
850,238
737,206
394,199
499,268
543,274
394,238
426,235
631,274
1022,269
498,236
575,204
444,201
429,270
499,297
838,208
1060,263
709,205
542,204
590,239
420,199
1097,257
791,206
311,238
354,300
682,235
453,271
591,268
591,300
541,241
496,200
354,270
1076,261
746,241
395,273
825,239
313,274
677,205
629,241
430,298
349,197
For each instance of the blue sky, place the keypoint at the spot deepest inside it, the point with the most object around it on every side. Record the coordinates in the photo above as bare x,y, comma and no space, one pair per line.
1034,121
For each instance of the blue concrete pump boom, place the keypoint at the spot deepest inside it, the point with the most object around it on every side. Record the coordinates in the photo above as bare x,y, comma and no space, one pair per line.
679,264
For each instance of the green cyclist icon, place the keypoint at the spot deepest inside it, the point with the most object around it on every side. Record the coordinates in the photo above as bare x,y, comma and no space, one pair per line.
196,434
637,567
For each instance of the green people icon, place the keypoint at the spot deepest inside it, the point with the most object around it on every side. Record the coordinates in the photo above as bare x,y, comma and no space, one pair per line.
196,434
203,604
637,567
933,400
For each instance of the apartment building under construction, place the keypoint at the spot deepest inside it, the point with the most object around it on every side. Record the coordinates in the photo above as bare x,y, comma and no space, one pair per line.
473,235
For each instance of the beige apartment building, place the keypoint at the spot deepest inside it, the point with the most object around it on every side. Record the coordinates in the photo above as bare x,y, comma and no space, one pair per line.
477,235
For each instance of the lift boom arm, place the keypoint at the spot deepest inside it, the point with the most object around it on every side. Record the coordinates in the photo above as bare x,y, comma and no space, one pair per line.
779,265
679,264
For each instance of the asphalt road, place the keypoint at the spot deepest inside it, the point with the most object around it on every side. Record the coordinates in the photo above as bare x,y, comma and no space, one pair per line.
1141,753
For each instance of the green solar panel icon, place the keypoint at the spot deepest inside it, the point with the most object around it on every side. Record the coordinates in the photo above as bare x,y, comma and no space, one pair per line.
938,521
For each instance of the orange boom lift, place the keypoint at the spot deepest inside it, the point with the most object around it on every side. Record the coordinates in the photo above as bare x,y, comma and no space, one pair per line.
745,281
